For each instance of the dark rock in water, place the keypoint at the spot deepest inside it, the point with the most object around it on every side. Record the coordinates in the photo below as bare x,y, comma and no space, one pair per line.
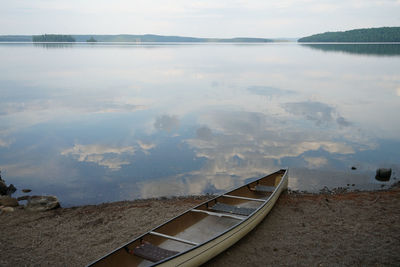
11,189
6,190
353,168
383,174
8,201
3,187
42,203
26,190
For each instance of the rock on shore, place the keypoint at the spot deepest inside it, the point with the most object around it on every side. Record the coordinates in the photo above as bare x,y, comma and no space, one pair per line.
8,201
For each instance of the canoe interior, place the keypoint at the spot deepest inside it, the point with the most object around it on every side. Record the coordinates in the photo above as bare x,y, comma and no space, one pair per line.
199,224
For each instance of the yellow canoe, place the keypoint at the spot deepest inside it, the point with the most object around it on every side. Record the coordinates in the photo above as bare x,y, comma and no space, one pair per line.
204,231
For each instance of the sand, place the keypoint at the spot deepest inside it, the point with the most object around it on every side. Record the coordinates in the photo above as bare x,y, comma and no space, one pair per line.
357,229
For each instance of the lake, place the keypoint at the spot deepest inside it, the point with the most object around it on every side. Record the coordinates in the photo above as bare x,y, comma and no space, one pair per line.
94,123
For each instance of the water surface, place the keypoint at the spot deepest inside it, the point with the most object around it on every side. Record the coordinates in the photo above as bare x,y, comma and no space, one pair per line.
92,123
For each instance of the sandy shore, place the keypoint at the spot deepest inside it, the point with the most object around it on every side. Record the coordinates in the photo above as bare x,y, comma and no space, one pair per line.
361,229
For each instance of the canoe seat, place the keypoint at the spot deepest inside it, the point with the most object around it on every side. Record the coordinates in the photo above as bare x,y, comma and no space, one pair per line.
232,209
264,188
152,253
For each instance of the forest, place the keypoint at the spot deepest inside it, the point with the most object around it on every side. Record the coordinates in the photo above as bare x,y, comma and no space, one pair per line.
59,38
383,34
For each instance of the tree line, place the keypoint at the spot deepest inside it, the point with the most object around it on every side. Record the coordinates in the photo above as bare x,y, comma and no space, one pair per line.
384,34
53,38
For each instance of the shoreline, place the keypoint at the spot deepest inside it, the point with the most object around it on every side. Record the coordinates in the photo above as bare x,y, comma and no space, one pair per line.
302,229
324,191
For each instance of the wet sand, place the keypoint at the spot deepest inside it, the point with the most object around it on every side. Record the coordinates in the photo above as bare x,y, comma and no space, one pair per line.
357,229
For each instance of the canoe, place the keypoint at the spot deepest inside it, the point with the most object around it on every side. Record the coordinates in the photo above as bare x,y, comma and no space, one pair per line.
204,231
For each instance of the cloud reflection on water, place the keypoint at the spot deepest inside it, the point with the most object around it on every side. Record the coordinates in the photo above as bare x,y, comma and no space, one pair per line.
166,123
316,111
249,138
109,156
268,91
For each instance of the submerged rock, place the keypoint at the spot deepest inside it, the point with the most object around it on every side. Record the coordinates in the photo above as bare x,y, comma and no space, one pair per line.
23,198
383,174
26,190
8,201
42,203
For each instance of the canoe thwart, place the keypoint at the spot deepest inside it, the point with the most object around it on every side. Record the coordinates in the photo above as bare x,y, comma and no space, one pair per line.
263,188
174,238
152,253
232,209
245,198
220,214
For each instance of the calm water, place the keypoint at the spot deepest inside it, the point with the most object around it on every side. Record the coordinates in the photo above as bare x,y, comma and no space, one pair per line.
97,123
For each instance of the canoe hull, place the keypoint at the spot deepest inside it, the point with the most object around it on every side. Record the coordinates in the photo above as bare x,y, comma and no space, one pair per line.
211,249
206,250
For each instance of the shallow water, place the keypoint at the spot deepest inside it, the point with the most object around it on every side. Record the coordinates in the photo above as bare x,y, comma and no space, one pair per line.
93,123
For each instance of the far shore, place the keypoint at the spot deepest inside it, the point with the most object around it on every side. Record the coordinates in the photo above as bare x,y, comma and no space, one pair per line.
353,228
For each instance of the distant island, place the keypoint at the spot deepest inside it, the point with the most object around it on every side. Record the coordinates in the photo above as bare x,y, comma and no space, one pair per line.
127,38
91,40
383,34
57,38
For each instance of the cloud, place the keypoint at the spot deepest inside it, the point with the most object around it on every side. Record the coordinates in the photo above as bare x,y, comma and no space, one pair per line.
398,91
112,157
225,18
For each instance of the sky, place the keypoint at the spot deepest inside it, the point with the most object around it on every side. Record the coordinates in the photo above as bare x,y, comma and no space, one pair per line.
197,18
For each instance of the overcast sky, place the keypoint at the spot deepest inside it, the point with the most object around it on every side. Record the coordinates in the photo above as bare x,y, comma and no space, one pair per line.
198,18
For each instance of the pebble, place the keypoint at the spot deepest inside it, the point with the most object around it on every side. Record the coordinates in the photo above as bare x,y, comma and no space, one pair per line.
7,209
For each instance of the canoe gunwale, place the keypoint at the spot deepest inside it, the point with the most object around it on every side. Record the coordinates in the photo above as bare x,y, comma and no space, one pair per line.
248,219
